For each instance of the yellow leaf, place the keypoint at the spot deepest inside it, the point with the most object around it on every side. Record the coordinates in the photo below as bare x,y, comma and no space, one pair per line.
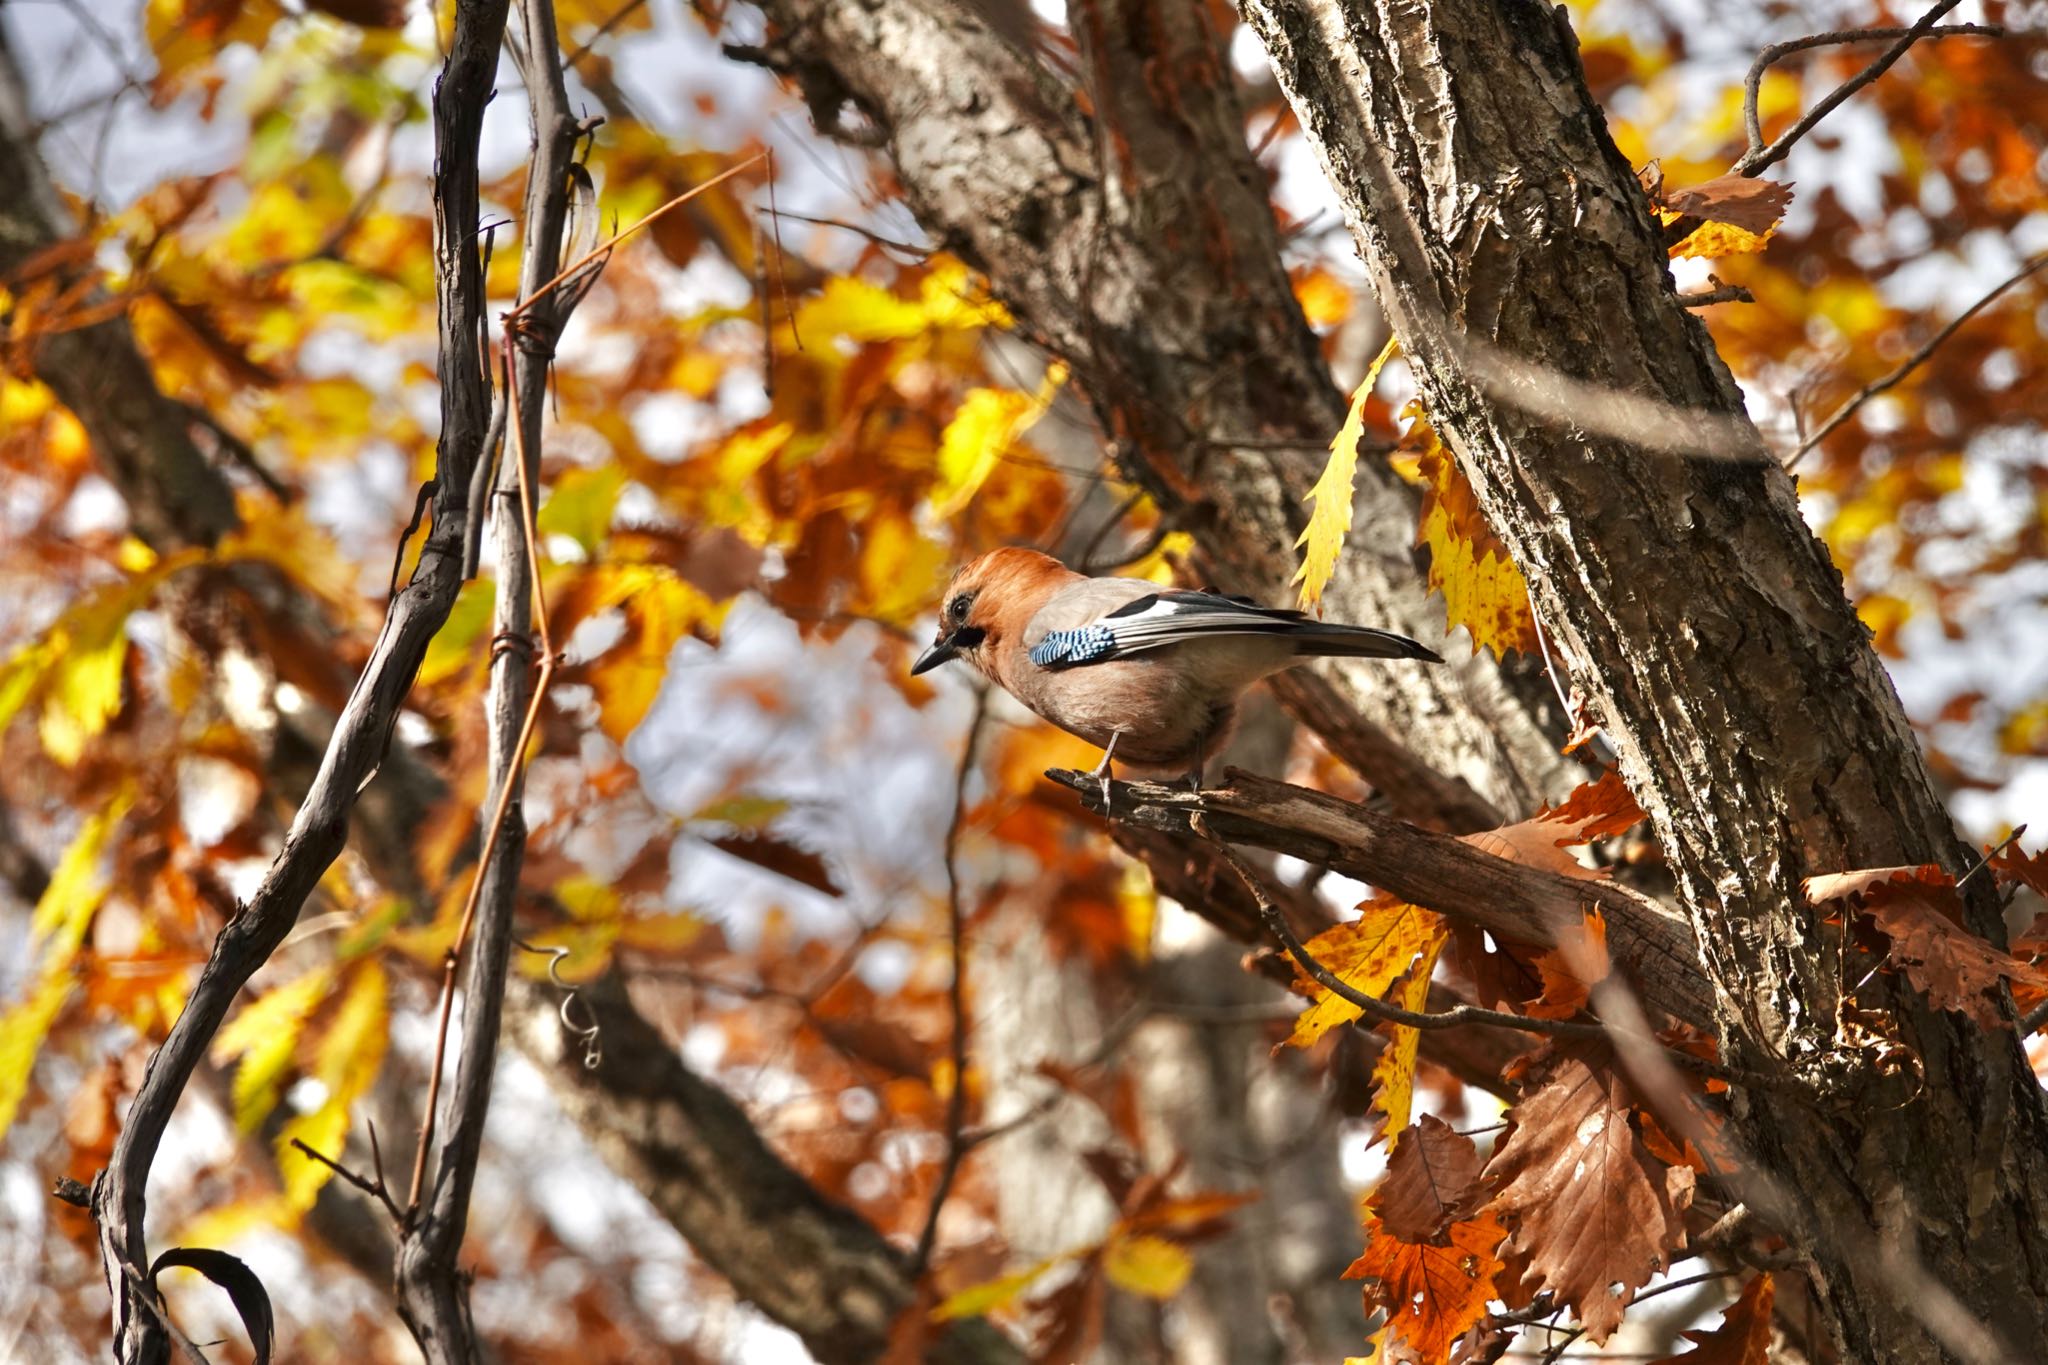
1368,954
22,1030
660,608
63,912
1330,519
1722,239
352,1047
1482,589
978,1300
1393,1074
325,1130
265,1034
988,423
1148,1265
286,538
454,645
580,505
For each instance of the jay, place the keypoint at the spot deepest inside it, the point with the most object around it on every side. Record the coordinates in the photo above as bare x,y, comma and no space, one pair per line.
1151,676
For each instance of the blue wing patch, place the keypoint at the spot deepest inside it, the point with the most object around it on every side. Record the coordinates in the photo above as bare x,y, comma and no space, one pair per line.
1082,645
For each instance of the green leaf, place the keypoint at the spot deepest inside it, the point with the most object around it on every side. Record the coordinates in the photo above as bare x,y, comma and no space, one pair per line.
581,505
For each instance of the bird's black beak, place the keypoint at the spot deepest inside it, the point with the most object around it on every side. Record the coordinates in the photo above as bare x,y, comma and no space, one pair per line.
944,651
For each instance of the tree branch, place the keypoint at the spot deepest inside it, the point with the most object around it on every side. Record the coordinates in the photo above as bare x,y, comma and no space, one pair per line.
1435,871
1759,157
431,1288
320,829
1912,362
807,1262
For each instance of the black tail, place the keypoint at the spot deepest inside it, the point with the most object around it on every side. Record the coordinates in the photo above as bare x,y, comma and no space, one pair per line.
1328,639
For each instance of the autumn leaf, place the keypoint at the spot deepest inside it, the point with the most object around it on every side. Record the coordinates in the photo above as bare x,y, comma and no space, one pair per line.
1393,1074
1482,588
1368,954
1747,202
1919,909
1433,1179
1594,809
985,428
264,1034
1330,519
1595,1212
1433,1291
1744,1336
1147,1265
1571,970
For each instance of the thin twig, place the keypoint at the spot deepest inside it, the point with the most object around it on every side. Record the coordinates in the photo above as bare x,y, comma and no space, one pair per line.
1758,158
956,995
496,826
1723,293
1911,362
603,248
374,1188
619,16
1752,84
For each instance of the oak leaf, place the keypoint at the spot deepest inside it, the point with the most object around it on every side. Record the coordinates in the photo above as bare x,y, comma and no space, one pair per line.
1744,1336
1593,1209
1433,1291
1330,519
1747,202
1393,1074
1369,954
1571,970
1920,910
1433,1179
1482,588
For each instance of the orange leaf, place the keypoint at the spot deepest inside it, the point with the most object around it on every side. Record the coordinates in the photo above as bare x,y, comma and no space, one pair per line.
1571,969
1744,1336
1596,1212
1593,809
1740,201
1432,1291
1482,588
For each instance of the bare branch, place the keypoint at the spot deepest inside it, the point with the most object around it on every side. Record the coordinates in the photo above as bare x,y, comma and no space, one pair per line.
956,995
1759,156
1435,871
1911,362
320,829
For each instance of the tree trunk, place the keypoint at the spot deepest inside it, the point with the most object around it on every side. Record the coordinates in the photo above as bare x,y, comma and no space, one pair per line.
1521,267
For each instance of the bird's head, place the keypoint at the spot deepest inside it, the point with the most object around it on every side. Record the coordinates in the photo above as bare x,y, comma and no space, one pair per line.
990,599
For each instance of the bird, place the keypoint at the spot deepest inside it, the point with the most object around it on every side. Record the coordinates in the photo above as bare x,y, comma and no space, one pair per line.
1150,675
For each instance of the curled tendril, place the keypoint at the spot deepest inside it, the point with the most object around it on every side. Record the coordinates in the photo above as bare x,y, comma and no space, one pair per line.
588,1033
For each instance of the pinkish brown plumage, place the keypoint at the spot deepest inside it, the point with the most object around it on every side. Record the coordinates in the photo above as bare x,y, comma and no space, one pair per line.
1151,675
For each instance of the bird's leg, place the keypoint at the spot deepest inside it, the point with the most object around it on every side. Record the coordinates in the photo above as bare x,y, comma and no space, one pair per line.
1195,778
1101,772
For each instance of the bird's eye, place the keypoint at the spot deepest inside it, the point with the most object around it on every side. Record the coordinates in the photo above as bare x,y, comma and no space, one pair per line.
956,610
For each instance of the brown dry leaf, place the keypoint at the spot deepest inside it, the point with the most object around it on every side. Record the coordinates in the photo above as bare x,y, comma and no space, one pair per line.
1920,911
1482,588
779,856
1744,1336
1952,966
2015,868
1741,201
1590,1205
1433,1180
1434,1291
1571,969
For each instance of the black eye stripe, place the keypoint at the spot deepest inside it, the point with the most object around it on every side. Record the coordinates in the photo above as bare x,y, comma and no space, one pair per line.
967,637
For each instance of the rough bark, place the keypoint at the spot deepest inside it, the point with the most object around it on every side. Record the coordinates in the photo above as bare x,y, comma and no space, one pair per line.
812,1265
1510,247
1141,248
